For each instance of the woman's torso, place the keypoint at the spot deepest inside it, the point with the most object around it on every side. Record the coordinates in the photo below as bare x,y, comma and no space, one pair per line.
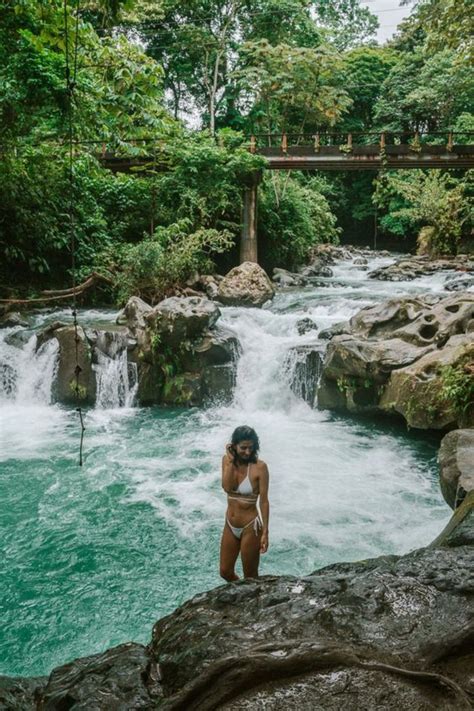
242,501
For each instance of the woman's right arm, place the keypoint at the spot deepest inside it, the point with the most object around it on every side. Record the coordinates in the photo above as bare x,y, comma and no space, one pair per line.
228,473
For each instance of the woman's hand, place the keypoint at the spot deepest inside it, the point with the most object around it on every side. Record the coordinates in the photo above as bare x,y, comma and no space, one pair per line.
264,542
230,452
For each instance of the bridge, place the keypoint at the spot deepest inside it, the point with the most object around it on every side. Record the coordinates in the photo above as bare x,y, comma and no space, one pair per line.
373,151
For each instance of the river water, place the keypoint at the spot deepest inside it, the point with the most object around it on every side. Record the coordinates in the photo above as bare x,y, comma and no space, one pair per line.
93,556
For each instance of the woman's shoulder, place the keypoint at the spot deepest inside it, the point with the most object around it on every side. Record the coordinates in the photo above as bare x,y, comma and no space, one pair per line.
261,465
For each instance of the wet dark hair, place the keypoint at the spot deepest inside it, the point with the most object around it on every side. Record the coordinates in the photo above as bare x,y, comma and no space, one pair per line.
244,432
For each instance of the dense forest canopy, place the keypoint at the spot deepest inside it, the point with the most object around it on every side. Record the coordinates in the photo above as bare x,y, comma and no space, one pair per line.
198,77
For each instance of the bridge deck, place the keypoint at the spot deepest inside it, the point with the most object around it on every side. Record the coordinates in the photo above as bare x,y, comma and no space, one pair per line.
368,157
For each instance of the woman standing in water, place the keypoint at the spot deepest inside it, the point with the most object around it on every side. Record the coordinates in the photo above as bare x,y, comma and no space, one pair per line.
244,479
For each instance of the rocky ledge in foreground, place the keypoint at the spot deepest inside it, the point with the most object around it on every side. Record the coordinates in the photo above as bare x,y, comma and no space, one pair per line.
386,633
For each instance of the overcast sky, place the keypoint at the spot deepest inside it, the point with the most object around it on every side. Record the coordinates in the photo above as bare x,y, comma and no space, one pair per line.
389,13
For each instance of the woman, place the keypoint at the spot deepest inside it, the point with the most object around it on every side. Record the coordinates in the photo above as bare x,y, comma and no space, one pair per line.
244,479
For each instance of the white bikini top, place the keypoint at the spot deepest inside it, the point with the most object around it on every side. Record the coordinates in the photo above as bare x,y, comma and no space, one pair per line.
245,489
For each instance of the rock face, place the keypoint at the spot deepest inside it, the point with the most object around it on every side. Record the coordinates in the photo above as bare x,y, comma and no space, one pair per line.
246,285
65,385
356,630
456,461
408,356
182,357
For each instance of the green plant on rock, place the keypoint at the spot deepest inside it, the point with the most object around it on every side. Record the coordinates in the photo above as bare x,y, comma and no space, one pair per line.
457,387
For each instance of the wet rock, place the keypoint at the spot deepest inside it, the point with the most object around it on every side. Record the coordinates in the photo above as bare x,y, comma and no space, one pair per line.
20,694
284,278
304,325
348,629
358,261
246,285
64,387
408,268
121,678
456,461
459,283
12,319
177,319
336,330
317,268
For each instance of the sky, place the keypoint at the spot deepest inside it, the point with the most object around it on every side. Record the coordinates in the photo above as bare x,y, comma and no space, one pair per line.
389,14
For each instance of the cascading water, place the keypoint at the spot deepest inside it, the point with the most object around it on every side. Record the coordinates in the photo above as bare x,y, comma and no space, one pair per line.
117,379
94,555
27,373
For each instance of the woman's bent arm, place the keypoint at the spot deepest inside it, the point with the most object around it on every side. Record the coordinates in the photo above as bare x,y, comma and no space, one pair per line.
228,474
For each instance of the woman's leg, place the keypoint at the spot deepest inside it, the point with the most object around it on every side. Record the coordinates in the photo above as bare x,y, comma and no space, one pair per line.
230,547
250,551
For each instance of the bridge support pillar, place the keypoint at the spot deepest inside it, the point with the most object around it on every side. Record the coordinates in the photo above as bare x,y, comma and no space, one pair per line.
248,237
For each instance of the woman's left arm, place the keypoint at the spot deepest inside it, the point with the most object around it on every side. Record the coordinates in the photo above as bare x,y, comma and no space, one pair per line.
264,506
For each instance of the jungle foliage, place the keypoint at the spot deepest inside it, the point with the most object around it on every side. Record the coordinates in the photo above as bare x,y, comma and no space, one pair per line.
230,68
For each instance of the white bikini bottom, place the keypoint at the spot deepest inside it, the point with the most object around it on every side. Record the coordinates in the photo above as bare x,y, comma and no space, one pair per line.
256,523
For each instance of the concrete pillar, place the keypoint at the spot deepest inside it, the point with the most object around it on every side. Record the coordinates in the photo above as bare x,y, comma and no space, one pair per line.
248,239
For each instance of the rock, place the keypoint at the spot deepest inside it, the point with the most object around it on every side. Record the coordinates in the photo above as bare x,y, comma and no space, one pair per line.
20,694
218,384
347,356
459,283
336,330
216,347
178,319
360,261
416,392
121,678
408,268
12,319
391,356
456,461
317,269
64,387
306,324
284,278
18,338
49,332
304,364
347,636
133,314
246,285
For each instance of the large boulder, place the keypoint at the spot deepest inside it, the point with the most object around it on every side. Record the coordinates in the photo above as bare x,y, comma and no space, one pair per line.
422,392
408,268
393,357
177,319
246,285
456,461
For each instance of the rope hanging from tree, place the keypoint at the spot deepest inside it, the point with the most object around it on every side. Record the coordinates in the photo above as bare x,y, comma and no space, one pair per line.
70,87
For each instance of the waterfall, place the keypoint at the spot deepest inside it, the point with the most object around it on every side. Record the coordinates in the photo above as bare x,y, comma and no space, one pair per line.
117,379
26,374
